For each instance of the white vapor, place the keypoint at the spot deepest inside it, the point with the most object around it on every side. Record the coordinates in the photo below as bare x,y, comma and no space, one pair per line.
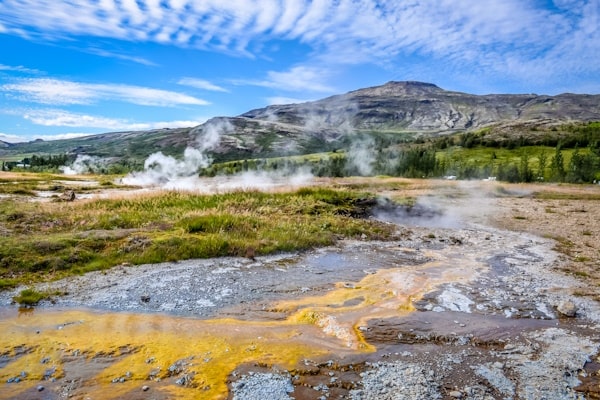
85,164
247,180
167,171
170,173
361,155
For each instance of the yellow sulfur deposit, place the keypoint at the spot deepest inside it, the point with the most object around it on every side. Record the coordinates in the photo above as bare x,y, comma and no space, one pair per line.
119,355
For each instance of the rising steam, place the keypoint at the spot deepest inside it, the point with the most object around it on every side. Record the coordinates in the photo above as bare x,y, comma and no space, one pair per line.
163,171
85,164
166,171
361,156
170,173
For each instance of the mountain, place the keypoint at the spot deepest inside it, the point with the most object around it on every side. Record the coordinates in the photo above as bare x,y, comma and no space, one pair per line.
424,107
395,110
400,109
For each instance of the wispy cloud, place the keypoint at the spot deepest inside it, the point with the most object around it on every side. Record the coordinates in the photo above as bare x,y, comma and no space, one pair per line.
493,35
61,136
119,56
284,100
299,78
61,92
18,68
201,84
8,138
61,118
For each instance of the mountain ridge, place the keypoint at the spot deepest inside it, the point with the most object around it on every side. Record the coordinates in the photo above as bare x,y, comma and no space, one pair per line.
408,109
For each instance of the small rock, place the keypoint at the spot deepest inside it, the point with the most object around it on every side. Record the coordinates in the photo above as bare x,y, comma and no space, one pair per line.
68,195
40,388
145,298
455,394
567,308
145,388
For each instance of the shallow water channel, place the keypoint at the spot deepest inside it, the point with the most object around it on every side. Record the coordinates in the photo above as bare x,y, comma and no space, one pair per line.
320,322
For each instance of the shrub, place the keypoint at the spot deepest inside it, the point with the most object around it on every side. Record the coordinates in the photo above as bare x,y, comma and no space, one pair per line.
30,297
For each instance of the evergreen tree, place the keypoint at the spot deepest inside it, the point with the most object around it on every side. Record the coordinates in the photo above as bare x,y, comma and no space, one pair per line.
525,173
542,160
557,166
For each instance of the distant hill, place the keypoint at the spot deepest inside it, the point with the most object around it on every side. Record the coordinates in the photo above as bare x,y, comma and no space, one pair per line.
404,110
424,107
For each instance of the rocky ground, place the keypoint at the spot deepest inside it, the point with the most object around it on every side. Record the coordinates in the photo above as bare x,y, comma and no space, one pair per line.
479,299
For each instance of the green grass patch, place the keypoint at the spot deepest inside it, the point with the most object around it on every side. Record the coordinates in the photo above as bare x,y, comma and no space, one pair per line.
8,283
52,240
581,259
555,195
31,297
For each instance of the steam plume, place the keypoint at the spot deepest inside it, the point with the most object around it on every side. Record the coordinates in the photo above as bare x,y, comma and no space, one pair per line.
361,156
169,173
166,171
85,164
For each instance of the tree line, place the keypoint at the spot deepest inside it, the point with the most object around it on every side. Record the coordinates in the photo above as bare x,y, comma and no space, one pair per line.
427,161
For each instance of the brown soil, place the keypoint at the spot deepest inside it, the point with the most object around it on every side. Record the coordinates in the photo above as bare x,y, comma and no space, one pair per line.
568,214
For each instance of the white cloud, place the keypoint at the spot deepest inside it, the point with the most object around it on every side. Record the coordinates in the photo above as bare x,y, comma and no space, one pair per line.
61,136
8,138
125,57
300,78
49,91
57,92
53,117
284,100
18,68
492,35
201,84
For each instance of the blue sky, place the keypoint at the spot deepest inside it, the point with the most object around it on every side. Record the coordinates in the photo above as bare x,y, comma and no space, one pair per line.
76,67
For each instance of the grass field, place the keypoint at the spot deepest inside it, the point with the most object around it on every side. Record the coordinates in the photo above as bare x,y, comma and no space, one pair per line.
52,239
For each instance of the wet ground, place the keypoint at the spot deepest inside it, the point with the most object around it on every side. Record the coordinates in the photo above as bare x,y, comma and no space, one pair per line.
448,311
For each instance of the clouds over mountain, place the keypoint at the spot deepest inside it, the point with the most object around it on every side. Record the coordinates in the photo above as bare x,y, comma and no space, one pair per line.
514,36
121,62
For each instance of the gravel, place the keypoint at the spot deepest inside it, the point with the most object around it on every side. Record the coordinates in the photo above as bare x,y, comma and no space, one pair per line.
505,327
262,386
